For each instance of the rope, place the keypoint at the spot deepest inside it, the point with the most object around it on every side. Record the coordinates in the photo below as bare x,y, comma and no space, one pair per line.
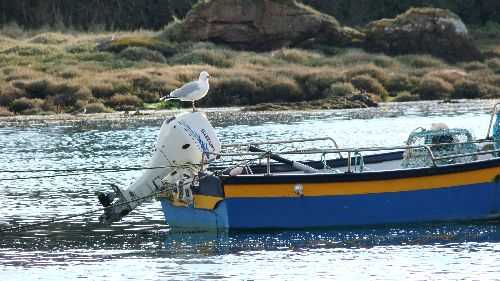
325,165
103,170
84,171
17,228
97,169
46,176
241,164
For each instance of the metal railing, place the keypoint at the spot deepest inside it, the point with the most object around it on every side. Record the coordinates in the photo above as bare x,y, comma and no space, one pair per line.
247,145
280,142
493,113
350,151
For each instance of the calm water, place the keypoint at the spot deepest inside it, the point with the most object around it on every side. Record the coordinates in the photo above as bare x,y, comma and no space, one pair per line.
142,247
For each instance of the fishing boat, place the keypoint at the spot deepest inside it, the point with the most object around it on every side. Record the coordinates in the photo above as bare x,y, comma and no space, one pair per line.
441,174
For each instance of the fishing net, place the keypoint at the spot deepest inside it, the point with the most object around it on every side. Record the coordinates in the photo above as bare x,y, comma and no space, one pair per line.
442,143
496,131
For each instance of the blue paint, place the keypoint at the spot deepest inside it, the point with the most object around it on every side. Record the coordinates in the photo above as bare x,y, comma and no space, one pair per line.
194,219
471,202
194,134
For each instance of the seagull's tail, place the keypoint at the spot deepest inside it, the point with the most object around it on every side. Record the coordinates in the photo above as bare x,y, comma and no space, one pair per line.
165,98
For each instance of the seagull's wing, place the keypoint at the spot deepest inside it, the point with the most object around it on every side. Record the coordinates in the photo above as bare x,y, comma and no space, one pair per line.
185,90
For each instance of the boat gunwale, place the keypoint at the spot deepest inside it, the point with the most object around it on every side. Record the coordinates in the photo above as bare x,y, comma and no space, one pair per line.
362,176
318,164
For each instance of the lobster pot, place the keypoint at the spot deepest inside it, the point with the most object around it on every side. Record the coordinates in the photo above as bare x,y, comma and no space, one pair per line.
496,131
442,143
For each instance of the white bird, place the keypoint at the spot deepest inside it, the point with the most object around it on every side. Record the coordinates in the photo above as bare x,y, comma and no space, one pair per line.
192,91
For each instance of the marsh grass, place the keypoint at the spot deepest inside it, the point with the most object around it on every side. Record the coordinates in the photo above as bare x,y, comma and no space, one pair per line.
371,70
400,82
420,61
467,89
434,88
124,102
141,53
51,38
164,47
202,57
369,84
43,72
494,65
5,112
341,89
97,107
296,56
406,96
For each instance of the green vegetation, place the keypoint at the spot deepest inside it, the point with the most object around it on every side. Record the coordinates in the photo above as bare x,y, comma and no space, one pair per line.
433,88
360,12
51,72
93,15
97,15
406,96
341,89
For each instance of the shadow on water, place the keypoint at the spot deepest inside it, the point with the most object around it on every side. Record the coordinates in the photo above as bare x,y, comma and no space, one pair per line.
67,243
70,242
360,237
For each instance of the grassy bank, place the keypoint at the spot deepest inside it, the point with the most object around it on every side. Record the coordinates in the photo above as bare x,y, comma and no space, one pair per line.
50,72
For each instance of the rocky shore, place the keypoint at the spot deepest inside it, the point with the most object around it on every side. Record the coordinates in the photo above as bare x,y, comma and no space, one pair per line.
262,55
263,25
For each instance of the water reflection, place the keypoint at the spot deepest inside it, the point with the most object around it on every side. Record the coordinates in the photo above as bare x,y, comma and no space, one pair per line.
142,245
153,238
360,237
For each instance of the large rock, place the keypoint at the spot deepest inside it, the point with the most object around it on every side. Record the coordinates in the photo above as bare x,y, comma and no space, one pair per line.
354,100
260,25
423,30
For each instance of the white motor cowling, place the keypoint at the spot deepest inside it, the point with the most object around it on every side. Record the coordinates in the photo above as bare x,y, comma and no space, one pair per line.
183,148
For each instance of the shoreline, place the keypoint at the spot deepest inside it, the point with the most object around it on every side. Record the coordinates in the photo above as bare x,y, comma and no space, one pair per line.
54,72
154,115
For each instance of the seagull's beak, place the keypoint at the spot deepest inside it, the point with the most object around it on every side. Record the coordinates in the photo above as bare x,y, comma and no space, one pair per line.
209,76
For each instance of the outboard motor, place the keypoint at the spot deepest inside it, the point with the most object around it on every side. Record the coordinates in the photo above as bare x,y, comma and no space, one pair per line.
183,149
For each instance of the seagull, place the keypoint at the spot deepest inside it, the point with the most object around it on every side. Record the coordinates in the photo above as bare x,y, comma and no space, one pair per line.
192,91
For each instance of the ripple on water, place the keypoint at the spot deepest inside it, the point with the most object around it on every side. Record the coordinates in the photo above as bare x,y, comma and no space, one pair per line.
142,245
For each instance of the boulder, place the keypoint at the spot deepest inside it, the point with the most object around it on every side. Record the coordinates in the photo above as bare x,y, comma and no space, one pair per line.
354,100
422,30
117,45
260,25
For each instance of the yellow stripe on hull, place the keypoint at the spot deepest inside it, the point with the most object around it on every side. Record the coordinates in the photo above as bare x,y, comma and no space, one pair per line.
200,202
362,187
205,201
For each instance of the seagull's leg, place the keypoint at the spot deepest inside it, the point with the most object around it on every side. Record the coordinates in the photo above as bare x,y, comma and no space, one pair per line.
194,108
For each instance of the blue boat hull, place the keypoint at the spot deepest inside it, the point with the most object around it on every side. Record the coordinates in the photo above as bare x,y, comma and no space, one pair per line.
458,203
460,192
470,202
